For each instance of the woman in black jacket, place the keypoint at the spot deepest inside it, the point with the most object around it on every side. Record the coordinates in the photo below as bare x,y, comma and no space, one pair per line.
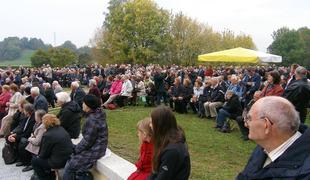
171,158
231,109
56,148
69,115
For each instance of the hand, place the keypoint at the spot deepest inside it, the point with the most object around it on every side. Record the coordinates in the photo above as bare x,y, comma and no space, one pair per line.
180,98
11,138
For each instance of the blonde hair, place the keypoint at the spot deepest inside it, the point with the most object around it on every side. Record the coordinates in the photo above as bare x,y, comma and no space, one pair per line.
50,120
144,126
6,87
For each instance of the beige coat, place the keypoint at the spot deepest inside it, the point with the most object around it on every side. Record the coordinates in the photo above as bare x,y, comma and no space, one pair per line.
35,140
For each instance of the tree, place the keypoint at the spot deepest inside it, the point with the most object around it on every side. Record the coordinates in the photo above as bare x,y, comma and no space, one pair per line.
135,31
69,45
39,58
84,58
61,57
304,33
289,44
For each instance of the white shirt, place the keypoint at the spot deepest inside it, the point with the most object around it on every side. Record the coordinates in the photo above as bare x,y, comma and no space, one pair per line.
274,154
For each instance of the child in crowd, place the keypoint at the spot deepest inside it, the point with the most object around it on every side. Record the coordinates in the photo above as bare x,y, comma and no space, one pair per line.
144,164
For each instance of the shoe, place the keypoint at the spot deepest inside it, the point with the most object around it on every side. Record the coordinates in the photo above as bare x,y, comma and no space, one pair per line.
27,168
18,164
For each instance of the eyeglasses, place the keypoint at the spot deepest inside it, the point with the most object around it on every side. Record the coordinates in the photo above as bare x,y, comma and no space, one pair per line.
248,119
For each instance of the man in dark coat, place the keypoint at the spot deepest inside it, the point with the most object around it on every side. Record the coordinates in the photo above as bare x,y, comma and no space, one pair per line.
252,82
159,78
231,109
298,92
21,133
40,101
77,93
69,115
283,145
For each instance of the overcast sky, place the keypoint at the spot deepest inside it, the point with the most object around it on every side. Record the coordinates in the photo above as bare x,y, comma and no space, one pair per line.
76,20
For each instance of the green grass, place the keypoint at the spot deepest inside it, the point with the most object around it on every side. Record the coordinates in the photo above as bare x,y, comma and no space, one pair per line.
24,59
214,155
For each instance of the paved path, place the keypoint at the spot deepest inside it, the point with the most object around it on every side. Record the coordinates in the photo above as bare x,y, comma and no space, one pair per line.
11,172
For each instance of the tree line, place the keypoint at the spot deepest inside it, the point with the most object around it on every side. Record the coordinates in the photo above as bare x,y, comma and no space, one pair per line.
12,47
62,55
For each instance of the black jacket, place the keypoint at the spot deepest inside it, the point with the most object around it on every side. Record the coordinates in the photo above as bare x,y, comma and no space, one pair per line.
49,95
298,93
293,164
233,106
56,147
78,96
205,96
70,118
25,127
174,163
217,94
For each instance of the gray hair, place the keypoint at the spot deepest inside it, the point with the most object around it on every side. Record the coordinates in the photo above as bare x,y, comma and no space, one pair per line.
40,113
92,82
63,97
28,108
281,112
35,90
75,84
301,71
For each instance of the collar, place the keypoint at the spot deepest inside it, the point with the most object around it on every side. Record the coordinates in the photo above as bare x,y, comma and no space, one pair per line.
274,154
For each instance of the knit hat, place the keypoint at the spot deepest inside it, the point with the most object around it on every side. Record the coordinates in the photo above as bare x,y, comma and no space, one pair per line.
92,101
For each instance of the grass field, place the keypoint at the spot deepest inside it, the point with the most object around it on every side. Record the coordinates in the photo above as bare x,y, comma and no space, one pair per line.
23,60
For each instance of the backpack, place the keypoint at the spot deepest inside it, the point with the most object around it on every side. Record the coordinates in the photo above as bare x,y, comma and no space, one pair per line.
9,154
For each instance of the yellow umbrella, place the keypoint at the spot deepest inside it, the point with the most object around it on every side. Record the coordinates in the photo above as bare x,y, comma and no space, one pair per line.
240,55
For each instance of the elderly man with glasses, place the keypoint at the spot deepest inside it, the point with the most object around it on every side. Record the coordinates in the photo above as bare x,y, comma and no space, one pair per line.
283,144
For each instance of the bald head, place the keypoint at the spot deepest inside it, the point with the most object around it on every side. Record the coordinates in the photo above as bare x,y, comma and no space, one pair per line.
280,111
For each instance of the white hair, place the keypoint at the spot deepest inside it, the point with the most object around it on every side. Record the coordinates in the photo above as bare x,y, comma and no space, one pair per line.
92,82
281,112
63,97
47,85
75,84
35,90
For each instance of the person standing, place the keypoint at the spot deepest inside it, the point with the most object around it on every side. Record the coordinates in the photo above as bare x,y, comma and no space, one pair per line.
298,92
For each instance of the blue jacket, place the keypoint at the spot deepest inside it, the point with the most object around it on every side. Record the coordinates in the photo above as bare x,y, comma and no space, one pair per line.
294,163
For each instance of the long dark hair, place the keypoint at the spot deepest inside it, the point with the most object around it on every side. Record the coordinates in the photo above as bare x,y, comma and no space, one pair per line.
165,131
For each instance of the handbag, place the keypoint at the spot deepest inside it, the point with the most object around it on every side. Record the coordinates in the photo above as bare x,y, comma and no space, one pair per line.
9,154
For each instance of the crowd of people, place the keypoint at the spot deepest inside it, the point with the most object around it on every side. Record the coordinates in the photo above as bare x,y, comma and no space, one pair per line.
42,141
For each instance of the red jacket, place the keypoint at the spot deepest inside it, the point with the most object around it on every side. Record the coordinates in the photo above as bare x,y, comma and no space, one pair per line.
276,90
4,98
144,164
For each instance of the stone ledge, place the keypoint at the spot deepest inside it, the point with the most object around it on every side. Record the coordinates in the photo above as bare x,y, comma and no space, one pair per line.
111,166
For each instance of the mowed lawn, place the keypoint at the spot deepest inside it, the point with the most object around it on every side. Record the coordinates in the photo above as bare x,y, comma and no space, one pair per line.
214,155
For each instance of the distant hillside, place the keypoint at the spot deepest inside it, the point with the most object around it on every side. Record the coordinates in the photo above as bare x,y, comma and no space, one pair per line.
24,59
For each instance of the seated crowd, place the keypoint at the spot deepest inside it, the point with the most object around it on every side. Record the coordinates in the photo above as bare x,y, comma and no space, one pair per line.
42,141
